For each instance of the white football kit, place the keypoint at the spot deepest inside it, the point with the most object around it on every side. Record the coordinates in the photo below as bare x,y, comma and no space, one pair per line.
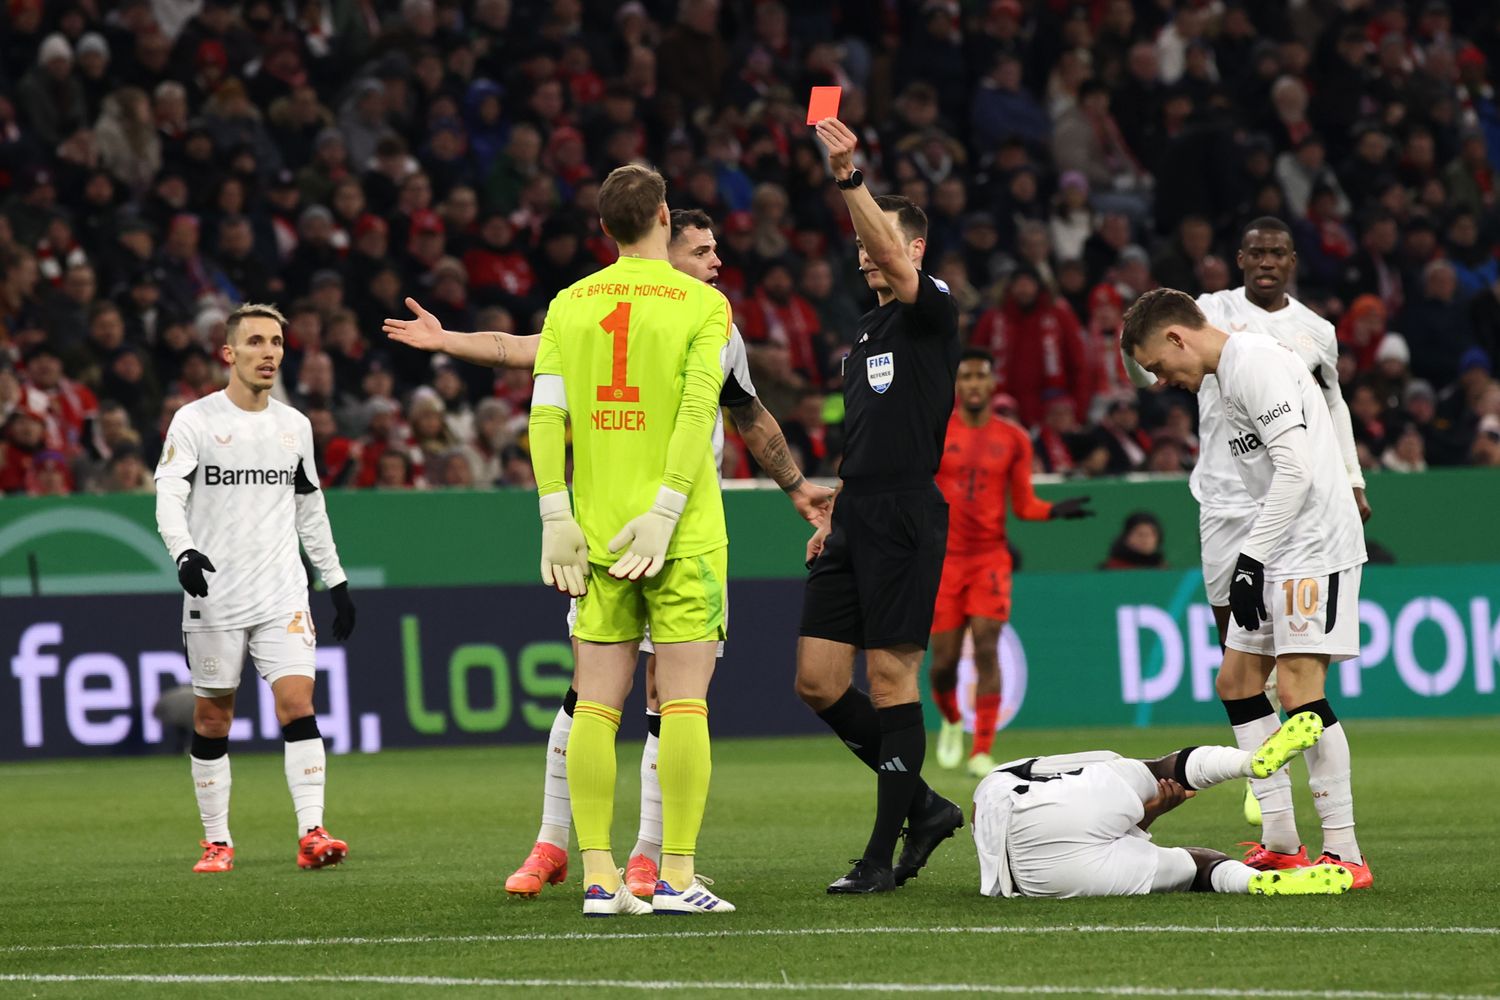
1225,509
738,390
1307,531
241,487
1066,826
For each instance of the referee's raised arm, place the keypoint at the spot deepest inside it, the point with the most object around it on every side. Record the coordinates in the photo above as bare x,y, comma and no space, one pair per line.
872,230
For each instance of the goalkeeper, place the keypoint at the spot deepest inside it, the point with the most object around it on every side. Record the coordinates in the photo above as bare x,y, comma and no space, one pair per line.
630,356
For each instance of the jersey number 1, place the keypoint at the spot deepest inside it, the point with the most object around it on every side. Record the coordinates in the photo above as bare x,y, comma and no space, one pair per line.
617,325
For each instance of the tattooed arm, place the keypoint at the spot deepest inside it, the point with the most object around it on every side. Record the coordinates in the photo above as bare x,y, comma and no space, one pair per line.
762,435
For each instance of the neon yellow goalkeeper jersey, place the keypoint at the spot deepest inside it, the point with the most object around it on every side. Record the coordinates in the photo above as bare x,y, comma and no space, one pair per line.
638,347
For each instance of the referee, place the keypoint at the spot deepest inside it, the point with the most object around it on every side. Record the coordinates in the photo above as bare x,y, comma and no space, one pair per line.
875,565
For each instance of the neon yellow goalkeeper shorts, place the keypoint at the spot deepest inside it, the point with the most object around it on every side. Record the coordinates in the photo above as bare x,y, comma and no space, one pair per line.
682,603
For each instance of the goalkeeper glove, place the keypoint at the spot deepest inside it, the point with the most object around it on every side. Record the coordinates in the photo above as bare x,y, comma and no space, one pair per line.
343,611
190,567
565,552
1070,509
1247,593
648,537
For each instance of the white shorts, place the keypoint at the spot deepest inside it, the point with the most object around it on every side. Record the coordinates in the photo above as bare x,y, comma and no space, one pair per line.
1221,533
285,646
1076,835
1314,615
647,646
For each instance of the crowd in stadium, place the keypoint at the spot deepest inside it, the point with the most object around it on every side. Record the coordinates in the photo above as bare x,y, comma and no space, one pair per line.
164,160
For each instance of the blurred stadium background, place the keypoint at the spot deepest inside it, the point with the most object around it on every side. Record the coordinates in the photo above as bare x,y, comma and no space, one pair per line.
164,160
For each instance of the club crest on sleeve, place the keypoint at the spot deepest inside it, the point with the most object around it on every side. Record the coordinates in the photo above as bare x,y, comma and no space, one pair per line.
880,370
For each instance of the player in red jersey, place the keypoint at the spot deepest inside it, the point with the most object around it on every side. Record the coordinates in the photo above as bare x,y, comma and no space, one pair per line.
985,458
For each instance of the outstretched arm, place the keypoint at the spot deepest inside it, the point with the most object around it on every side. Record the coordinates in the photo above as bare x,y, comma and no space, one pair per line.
873,229
763,436
490,349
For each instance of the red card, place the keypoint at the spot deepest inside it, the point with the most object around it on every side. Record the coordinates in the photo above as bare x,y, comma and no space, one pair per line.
824,103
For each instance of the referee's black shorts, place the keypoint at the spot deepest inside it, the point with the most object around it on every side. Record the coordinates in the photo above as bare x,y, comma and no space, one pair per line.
876,581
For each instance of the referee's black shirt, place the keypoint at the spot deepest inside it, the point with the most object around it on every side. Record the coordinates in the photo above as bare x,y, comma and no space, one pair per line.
898,389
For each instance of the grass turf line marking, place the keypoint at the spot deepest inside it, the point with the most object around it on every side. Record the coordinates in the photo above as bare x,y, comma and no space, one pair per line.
730,933
767,986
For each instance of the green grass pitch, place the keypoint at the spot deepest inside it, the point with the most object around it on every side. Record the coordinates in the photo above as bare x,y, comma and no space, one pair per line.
95,854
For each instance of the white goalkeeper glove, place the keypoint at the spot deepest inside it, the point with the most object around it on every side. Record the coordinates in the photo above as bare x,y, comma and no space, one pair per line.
565,552
648,537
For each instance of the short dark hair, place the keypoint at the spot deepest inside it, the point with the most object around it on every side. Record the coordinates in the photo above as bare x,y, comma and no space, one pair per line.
1155,310
1266,224
977,354
690,218
247,311
628,200
911,219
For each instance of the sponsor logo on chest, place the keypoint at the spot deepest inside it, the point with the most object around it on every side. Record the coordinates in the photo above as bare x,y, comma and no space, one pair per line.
1243,445
214,475
880,370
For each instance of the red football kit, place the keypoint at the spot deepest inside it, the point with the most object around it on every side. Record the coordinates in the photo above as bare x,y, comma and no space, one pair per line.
980,467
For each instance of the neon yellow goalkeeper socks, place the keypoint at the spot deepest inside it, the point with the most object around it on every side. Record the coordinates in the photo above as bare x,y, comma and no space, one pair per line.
683,766
591,774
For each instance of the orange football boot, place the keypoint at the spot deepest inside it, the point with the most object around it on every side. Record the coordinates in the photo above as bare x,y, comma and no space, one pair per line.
1359,869
1261,857
640,876
216,858
317,849
546,865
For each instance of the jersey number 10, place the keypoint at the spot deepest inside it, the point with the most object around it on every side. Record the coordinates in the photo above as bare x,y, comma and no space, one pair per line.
617,325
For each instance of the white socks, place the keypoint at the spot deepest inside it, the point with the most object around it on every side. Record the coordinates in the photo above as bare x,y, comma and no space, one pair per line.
1328,776
1278,821
306,774
1231,876
648,840
1209,766
557,813
211,783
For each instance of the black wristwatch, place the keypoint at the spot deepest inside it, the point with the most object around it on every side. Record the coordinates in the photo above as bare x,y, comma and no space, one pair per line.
854,180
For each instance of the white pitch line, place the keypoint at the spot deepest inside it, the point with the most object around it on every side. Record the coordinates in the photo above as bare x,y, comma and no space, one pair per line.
306,942
765,986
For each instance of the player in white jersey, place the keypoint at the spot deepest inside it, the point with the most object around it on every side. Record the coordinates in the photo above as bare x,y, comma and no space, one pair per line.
236,490
1226,511
1295,592
693,252
1076,824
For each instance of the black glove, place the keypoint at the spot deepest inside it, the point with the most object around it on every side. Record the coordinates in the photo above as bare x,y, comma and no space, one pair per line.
1070,509
190,567
343,612
1247,593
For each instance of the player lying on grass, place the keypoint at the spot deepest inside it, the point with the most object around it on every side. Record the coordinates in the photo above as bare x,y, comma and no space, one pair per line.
693,251
1076,824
